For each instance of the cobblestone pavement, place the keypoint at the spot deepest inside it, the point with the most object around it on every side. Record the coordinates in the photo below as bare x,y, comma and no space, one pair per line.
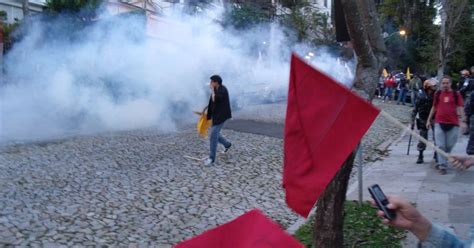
141,187
135,187
382,131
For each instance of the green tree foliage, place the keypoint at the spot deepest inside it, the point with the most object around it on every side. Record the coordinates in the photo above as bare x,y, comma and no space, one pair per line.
8,29
3,15
418,50
309,23
463,37
246,15
9,38
84,9
301,18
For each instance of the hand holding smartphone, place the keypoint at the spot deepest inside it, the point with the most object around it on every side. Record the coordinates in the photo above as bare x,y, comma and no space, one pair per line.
381,201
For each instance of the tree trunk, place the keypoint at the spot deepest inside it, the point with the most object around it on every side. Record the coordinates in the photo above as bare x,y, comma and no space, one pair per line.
329,219
450,14
442,44
366,37
363,26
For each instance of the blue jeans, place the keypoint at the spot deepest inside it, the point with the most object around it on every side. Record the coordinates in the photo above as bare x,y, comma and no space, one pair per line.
402,95
216,137
445,141
388,92
414,96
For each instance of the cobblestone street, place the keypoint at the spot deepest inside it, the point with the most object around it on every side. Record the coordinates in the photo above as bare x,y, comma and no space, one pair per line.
143,187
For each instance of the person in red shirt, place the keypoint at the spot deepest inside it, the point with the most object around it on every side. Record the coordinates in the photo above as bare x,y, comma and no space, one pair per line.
389,85
447,108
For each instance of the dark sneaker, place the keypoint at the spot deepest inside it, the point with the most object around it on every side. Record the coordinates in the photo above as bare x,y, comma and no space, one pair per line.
437,166
227,148
420,160
442,171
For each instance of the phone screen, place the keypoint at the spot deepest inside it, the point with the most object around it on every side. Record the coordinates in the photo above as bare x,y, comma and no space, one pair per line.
381,201
380,195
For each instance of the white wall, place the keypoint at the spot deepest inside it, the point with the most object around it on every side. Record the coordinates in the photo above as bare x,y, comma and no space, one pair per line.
14,8
325,5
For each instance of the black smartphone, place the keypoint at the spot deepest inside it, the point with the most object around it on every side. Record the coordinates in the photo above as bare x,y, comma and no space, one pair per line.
381,201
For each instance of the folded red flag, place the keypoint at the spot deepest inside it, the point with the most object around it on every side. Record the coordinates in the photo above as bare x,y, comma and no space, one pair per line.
324,123
250,230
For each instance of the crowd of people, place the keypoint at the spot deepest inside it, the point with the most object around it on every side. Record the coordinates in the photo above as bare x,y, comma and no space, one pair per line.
399,87
440,106
447,110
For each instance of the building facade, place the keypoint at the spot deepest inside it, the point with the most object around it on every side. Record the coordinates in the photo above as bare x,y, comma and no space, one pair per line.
14,10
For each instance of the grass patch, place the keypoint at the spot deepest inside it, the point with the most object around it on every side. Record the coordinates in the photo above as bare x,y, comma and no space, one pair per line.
362,228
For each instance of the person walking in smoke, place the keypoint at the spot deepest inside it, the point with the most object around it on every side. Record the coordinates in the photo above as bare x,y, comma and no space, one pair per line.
218,111
420,113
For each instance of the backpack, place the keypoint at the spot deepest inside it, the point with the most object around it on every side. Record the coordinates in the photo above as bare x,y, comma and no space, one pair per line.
455,95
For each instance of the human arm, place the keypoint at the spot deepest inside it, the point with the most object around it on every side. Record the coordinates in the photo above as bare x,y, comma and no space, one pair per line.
430,117
409,218
209,109
461,162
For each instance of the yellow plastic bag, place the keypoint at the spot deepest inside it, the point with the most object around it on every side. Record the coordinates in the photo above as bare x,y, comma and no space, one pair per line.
203,123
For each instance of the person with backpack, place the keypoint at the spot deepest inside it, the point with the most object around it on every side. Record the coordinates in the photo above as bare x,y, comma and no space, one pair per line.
447,109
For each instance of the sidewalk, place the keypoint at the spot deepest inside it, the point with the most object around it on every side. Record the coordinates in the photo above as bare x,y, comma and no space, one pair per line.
445,199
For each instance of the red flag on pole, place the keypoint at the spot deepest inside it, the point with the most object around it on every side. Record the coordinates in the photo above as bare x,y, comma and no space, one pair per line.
250,230
324,123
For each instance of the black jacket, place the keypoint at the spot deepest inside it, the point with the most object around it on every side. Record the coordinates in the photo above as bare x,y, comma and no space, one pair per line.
466,86
219,111
469,108
423,105
403,83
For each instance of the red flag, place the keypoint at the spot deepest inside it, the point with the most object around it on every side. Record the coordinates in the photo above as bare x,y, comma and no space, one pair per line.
250,230
324,123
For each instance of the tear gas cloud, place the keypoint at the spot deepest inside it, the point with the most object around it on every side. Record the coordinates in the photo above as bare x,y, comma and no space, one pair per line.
112,76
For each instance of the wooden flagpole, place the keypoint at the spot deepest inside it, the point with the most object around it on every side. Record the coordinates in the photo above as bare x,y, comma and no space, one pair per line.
412,132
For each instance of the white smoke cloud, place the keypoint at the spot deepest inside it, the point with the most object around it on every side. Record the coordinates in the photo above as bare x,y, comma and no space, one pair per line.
111,76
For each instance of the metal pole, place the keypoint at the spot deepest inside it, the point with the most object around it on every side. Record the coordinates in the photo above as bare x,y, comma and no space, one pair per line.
1,50
359,170
409,140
